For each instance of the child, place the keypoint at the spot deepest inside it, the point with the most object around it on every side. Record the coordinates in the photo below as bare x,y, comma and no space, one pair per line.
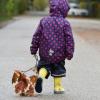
55,42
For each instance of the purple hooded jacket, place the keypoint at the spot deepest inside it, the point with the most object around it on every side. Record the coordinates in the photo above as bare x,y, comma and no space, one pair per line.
53,36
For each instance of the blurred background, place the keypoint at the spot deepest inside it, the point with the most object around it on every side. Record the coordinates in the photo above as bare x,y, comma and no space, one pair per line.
83,8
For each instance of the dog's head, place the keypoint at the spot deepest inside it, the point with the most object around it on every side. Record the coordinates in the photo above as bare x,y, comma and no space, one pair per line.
23,84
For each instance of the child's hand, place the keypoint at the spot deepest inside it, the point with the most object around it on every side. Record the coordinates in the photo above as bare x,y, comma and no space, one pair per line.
36,58
34,55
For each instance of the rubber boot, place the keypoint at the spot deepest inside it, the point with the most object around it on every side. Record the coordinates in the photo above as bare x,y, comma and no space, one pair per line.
58,88
42,75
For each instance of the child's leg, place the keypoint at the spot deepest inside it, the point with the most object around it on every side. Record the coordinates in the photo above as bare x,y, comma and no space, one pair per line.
58,88
42,74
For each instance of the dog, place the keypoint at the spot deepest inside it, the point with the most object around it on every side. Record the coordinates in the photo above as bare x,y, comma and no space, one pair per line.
24,85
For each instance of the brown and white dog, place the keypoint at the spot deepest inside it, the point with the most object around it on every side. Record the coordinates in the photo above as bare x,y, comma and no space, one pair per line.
24,85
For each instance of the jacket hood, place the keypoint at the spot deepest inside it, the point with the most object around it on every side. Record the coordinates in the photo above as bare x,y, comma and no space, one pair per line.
59,7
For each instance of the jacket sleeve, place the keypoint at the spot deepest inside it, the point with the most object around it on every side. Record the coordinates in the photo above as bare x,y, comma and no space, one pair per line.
69,40
36,40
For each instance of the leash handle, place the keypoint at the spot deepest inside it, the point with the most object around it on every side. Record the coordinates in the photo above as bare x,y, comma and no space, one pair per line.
36,58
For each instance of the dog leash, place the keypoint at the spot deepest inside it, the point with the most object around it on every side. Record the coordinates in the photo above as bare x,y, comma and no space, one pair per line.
34,69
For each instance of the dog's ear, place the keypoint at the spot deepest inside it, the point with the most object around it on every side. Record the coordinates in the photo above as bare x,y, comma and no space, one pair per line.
33,79
14,78
16,75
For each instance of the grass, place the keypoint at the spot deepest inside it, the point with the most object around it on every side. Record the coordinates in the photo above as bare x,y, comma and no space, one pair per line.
4,18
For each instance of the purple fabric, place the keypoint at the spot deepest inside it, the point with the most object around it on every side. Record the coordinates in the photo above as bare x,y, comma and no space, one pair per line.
54,37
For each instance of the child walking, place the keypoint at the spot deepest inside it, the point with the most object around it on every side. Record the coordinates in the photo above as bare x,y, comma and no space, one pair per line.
55,42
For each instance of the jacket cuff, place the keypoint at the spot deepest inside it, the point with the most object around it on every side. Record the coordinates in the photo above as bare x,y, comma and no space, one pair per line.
69,56
33,52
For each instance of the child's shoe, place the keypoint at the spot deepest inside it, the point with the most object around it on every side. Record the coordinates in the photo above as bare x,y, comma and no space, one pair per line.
38,86
42,75
59,90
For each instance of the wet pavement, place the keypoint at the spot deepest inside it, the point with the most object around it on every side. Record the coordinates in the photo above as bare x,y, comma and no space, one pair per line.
83,72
